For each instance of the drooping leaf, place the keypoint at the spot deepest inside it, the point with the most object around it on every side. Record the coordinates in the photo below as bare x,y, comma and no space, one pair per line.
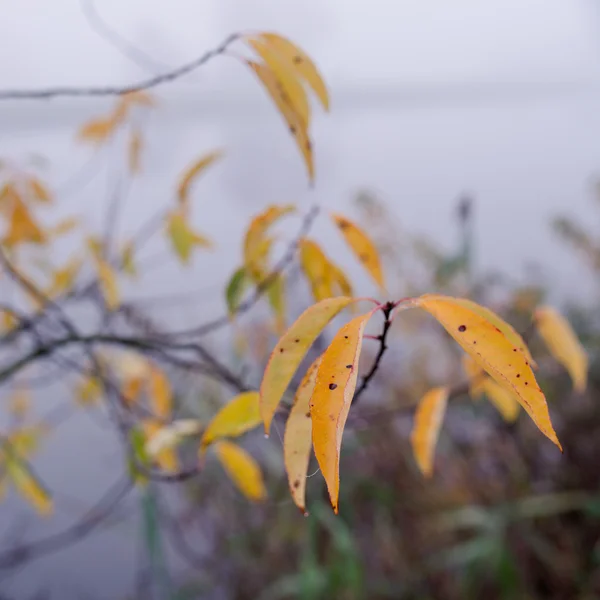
128,261
506,328
494,352
426,429
256,242
362,246
98,131
297,440
563,344
239,415
302,63
242,470
294,121
63,279
339,281
161,399
506,403
316,268
29,486
291,350
183,238
331,399
476,376
284,72
235,290
23,228
192,172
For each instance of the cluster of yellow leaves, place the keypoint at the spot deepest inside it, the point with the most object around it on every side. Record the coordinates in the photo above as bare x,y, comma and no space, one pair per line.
285,70
499,364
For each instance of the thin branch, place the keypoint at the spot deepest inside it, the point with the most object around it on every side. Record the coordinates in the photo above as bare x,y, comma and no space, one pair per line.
103,91
387,311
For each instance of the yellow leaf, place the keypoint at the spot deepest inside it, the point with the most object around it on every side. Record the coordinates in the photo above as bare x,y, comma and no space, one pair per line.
108,284
134,151
426,429
39,190
291,350
238,416
182,237
563,344
131,389
27,484
256,244
316,268
25,440
297,440
63,279
127,260
192,172
332,397
160,394
294,121
302,63
494,352
291,89
166,458
98,131
89,391
362,246
506,328
506,403
22,227
171,435
242,470
339,280
476,376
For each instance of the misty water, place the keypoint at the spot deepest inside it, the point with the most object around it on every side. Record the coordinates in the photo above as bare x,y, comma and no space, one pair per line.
525,153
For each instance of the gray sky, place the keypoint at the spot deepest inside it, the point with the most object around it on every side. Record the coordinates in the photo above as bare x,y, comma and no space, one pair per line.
354,41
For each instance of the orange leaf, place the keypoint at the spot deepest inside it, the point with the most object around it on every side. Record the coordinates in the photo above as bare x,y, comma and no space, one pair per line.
98,131
494,352
291,350
332,397
192,172
426,428
160,394
297,440
23,228
362,246
39,190
563,344
294,121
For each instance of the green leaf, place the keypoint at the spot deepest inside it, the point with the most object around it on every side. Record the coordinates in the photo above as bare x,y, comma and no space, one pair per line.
235,289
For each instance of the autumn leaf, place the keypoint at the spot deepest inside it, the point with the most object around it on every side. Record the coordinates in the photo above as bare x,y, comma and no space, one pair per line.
331,399
63,227
89,391
563,344
295,123
362,246
28,485
242,470
63,279
192,172
291,350
235,290
494,352
426,429
276,296
339,282
183,238
506,403
22,227
108,284
476,376
291,89
161,399
316,268
98,131
171,435
256,243
239,415
128,261
301,62
506,328
297,440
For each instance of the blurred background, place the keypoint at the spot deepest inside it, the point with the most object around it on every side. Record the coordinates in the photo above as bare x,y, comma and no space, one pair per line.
492,107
